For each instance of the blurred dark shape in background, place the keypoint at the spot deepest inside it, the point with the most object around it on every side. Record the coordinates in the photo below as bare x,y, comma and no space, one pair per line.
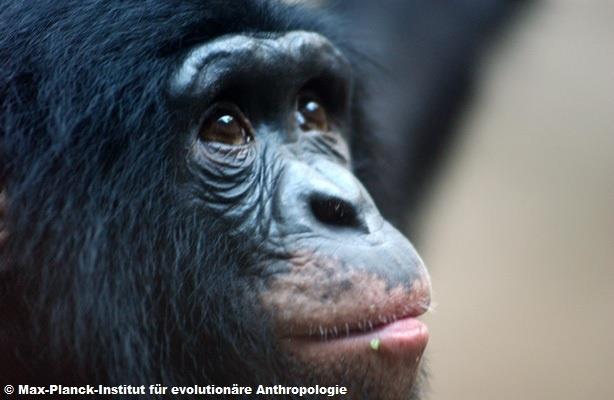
424,56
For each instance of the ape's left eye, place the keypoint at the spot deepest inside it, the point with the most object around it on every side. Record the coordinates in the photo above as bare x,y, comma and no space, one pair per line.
226,124
311,114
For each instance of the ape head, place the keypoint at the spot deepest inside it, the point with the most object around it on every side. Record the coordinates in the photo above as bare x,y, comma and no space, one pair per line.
180,204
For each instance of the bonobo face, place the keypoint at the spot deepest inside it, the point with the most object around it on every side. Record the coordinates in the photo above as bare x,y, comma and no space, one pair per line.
267,122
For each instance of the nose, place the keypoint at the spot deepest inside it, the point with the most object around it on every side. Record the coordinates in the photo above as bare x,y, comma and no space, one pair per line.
325,196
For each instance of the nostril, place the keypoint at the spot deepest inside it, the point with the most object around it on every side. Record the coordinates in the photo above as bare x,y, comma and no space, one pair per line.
334,211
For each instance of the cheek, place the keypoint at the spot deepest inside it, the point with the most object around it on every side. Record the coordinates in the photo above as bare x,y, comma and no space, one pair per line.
232,186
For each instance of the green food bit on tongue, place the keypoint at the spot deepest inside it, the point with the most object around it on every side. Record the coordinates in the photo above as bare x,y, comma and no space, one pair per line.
375,344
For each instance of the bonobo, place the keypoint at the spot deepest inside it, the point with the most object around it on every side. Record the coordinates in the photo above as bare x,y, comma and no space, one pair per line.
180,205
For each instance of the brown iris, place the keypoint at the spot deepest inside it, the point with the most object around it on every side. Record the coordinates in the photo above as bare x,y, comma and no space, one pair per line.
311,114
226,124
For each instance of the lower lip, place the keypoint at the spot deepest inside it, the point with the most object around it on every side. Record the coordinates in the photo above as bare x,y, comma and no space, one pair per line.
407,334
402,338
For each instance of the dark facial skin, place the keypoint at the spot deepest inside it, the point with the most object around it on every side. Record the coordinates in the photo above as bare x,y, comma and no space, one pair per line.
267,131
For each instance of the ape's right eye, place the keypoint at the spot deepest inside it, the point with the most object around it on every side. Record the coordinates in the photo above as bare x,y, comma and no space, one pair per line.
311,114
226,124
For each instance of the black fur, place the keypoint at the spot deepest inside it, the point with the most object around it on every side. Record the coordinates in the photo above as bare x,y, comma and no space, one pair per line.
108,276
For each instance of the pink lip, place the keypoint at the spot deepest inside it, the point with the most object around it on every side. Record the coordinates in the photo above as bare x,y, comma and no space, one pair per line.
406,337
403,335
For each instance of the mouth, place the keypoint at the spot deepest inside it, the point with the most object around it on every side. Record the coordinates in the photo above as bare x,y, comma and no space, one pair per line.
386,327
383,362
404,337
368,337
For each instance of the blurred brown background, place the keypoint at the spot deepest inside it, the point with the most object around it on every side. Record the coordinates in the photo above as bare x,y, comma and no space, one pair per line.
519,233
